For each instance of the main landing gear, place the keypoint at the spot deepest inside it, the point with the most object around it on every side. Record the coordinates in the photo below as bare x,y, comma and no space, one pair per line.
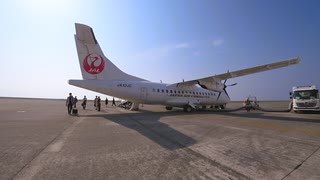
168,108
187,108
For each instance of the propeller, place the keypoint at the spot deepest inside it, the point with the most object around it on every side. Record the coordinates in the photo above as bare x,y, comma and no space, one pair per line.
224,88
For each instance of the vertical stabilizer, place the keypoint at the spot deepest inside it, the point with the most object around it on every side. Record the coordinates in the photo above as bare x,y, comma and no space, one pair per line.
93,63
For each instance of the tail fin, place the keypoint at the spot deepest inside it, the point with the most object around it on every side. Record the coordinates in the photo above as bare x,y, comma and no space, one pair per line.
93,63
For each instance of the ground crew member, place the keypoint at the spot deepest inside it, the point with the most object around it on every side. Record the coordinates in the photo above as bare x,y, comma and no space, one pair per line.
247,102
69,102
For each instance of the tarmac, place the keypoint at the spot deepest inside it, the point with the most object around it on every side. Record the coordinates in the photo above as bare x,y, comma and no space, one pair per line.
39,140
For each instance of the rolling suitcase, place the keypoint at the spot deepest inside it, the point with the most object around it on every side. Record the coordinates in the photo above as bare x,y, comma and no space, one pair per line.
74,111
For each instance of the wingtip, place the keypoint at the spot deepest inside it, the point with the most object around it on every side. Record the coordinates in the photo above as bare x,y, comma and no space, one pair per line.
295,60
298,59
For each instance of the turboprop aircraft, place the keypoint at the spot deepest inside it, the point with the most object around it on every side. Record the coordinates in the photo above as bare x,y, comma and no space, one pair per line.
101,75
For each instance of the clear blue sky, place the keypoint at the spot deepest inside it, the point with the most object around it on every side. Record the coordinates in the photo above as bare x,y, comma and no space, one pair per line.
160,40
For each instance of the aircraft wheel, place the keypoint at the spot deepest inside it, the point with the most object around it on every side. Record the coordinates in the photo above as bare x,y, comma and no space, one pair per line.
168,108
187,108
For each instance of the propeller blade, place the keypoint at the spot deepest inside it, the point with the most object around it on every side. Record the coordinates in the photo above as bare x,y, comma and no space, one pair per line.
224,88
232,84
218,96
226,93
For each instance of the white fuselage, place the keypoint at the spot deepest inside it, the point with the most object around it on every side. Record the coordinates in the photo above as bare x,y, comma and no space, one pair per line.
154,93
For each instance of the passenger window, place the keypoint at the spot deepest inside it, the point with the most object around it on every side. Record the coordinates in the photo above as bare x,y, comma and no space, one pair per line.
167,90
162,90
170,91
175,91
158,90
179,92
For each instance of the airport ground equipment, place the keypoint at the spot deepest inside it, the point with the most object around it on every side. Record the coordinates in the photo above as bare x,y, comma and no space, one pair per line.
305,98
125,104
275,110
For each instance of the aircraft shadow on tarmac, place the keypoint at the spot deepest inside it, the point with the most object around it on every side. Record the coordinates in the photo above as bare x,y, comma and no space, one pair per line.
262,115
149,125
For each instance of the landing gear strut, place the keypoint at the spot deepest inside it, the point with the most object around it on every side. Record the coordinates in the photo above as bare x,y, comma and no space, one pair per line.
187,108
168,108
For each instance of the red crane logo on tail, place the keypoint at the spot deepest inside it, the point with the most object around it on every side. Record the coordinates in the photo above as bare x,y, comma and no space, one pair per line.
93,63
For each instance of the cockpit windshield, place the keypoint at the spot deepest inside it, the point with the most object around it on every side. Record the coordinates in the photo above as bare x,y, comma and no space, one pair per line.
307,94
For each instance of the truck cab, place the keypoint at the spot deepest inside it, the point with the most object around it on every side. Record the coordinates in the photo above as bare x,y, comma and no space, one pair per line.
305,98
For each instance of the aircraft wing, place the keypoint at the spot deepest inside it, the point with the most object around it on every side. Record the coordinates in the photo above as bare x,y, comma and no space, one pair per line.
204,82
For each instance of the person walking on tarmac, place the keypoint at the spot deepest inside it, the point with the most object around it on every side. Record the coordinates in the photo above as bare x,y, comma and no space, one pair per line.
84,102
95,102
247,104
114,102
75,100
98,103
69,103
107,101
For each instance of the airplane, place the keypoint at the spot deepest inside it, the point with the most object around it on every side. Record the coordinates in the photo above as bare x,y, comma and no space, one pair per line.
101,75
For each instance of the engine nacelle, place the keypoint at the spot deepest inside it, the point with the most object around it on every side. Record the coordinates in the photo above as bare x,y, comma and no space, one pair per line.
213,85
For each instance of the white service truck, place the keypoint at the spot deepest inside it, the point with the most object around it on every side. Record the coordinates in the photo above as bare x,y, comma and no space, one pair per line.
305,98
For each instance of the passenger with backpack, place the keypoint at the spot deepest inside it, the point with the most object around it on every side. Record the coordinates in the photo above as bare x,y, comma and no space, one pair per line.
98,103
84,102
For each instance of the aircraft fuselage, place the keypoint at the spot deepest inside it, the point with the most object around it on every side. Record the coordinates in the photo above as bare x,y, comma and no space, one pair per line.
154,93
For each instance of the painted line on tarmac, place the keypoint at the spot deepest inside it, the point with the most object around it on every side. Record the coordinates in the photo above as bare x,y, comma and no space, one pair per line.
36,164
57,145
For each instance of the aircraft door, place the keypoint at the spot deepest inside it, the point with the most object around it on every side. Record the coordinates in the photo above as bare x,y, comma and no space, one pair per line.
143,93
